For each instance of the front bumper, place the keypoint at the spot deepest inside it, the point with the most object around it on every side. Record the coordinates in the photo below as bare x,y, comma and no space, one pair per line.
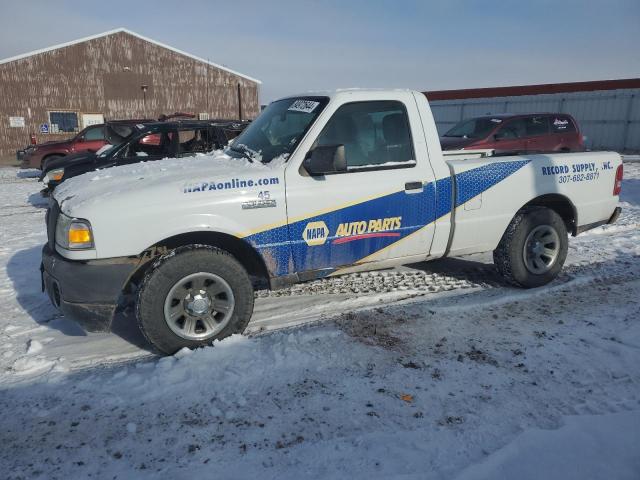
85,291
28,159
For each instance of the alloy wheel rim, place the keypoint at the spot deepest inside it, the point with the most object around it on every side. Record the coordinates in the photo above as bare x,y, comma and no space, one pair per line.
541,249
199,306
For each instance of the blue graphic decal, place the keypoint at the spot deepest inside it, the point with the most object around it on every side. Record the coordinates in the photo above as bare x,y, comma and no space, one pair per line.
474,182
286,249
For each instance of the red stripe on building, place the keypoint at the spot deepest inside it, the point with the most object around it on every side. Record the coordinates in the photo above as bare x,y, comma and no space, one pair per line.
533,89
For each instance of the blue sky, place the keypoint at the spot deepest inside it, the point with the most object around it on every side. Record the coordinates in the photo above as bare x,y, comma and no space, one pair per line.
296,46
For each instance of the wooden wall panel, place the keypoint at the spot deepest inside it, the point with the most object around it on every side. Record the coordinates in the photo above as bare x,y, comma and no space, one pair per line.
105,75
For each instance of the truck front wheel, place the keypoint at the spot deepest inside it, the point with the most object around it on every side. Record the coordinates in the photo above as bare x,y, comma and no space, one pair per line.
192,296
533,248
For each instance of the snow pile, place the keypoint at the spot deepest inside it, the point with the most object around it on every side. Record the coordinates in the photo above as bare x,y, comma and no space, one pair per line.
589,447
439,370
393,392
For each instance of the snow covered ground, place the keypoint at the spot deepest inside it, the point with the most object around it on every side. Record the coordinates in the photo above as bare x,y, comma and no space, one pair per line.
431,371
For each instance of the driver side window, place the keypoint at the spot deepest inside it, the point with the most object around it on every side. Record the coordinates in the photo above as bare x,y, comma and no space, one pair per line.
374,134
93,134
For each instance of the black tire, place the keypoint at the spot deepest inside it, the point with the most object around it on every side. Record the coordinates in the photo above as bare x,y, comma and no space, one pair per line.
167,271
509,256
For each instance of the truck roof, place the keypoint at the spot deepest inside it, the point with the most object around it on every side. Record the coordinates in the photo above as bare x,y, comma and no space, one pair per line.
515,115
347,91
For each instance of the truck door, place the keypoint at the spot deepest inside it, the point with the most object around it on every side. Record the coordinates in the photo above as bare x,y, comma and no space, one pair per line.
379,208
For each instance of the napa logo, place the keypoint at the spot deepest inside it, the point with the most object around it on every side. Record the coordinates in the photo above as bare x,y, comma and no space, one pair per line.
315,233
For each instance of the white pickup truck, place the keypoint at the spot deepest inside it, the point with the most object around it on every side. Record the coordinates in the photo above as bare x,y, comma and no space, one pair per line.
318,185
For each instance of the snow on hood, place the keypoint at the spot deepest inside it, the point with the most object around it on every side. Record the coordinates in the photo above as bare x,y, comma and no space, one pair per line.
94,186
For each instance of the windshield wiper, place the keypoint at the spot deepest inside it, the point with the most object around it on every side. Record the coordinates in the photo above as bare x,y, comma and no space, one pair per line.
242,150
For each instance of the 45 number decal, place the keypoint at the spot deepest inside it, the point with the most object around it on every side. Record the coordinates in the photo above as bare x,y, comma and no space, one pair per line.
264,201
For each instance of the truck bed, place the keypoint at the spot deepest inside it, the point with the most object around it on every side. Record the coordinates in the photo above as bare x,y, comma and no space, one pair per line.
582,181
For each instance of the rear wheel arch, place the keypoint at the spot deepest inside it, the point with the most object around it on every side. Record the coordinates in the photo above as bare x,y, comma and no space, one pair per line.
560,204
533,248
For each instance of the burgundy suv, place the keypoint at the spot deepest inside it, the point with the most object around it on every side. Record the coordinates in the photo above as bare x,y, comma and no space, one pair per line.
90,140
535,132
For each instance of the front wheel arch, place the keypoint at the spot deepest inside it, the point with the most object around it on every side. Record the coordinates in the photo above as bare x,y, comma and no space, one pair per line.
242,251
49,157
185,269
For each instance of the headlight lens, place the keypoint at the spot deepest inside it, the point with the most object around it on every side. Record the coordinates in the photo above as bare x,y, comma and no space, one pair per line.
74,233
54,175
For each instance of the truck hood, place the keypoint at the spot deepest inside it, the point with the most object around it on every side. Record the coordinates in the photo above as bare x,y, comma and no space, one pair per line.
456,143
158,182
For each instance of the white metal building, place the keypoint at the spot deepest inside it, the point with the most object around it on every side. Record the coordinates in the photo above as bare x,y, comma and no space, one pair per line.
608,112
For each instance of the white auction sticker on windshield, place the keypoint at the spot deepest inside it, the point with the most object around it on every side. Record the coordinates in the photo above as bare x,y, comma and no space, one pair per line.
305,106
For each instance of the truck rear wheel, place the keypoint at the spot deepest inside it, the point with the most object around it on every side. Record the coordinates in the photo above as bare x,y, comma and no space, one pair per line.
192,296
533,248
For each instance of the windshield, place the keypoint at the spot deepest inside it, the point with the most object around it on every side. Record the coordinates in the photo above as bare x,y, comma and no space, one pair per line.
278,129
474,128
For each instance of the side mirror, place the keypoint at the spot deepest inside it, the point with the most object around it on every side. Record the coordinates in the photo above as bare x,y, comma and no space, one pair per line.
325,159
499,136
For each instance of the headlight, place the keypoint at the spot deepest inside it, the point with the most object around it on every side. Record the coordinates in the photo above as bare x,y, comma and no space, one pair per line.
54,175
74,233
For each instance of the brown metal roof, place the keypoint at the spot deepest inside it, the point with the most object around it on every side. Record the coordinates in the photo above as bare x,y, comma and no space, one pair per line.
533,89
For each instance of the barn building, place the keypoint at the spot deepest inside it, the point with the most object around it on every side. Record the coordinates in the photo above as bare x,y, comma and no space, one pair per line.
608,111
55,92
